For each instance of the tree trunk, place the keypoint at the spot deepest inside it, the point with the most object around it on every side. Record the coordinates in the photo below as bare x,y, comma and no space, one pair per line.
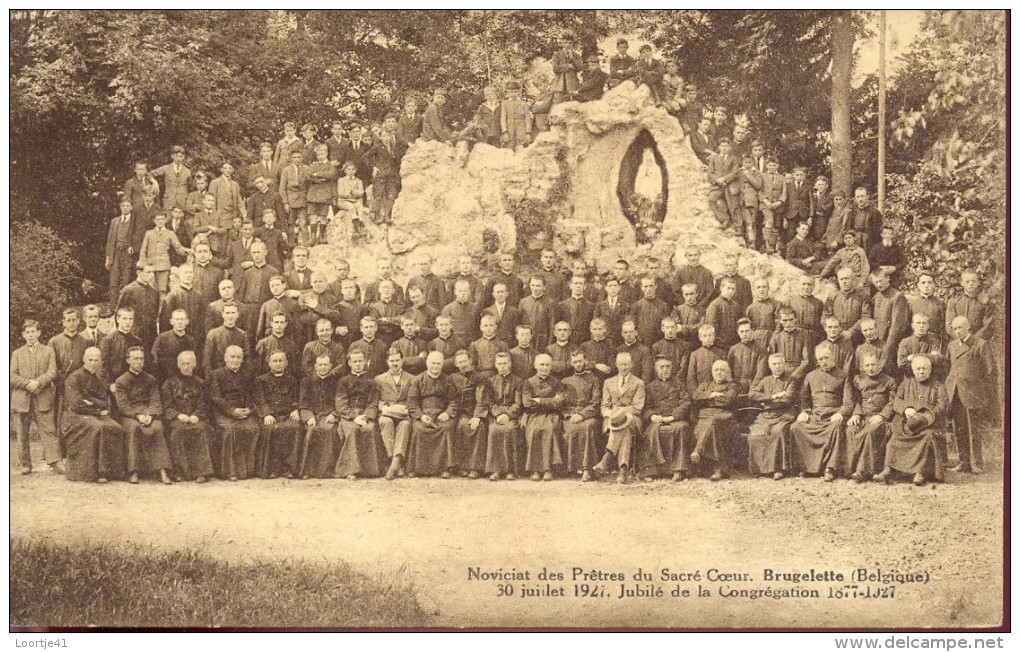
842,67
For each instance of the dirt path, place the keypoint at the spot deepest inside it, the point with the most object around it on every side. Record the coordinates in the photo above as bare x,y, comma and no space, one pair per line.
432,531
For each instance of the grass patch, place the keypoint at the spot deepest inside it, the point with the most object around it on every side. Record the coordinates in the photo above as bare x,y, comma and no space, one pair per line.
100,585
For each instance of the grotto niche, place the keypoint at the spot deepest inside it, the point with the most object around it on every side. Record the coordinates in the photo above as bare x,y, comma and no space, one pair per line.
643,187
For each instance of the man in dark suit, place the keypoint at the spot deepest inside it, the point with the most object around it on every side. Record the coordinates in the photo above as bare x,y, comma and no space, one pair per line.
758,155
356,151
798,202
299,278
122,249
971,389
238,257
180,228
594,82
620,64
820,210
264,167
612,310
137,186
508,317
702,141
409,124
723,169
648,71
693,110
336,143
384,159
143,214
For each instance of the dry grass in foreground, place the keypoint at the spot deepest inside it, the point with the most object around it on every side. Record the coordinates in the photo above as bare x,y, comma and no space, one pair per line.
100,585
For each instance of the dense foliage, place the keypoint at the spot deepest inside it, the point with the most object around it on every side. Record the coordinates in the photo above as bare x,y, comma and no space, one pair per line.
46,278
953,201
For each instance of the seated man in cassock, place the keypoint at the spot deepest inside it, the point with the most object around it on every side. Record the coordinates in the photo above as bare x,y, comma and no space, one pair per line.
579,411
139,406
276,401
186,412
394,420
357,405
234,405
432,404
716,427
95,442
668,442
917,443
867,431
818,436
623,399
543,397
317,405
768,441
469,433
501,403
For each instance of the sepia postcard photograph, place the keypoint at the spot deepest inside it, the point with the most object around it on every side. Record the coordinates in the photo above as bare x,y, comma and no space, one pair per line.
509,320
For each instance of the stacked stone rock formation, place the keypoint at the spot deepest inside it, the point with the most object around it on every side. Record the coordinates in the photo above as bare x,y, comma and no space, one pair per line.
559,192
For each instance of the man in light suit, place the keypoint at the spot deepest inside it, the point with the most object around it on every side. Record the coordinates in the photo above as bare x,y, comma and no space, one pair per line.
33,370
723,171
293,189
566,63
750,187
773,197
176,177
394,420
971,389
623,399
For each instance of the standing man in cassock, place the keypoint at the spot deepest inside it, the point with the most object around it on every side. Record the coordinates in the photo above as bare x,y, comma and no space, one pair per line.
971,391
892,317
